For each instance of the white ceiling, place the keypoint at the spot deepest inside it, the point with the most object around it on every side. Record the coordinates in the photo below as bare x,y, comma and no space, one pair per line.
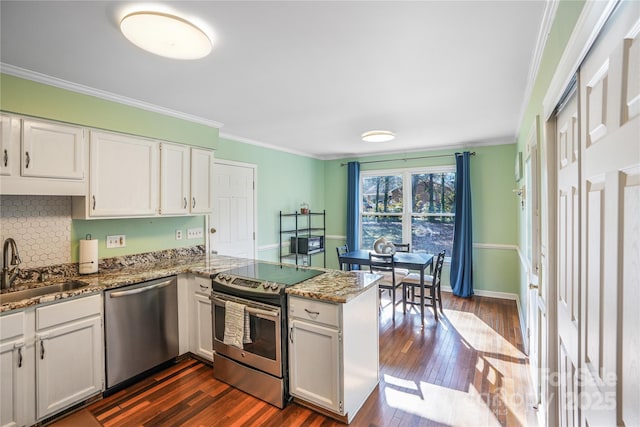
304,76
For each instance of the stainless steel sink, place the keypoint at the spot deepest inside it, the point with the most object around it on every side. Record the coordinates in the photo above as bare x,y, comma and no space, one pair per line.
69,285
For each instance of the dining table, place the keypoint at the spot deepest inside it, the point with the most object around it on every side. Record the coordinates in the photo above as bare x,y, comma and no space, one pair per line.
417,261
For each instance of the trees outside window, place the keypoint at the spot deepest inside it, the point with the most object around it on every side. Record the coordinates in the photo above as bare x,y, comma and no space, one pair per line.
423,216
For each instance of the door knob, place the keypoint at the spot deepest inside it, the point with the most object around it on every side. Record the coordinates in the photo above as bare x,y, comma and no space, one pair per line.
213,230
532,286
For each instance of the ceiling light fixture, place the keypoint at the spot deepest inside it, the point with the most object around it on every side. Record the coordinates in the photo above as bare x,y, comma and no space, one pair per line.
165,35
378,136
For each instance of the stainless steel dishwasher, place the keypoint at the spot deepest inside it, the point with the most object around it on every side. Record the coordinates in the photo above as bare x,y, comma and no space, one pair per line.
141,328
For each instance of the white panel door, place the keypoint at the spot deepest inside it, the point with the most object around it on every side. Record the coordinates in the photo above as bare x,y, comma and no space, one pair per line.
610,197
233,216
568,263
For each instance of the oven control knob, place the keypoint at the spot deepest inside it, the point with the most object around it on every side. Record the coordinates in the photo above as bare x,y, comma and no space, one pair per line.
274,286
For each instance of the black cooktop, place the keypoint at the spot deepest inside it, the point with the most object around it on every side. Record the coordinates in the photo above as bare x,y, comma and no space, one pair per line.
283,274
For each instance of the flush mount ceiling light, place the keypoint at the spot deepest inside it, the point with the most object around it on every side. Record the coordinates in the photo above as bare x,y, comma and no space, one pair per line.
165,35
378,136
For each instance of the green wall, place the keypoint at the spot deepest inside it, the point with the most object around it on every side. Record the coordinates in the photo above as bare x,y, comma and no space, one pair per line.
565,20
284,181
26,97
495,209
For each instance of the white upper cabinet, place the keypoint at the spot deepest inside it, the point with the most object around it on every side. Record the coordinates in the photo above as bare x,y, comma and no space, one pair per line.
39,157
174,179
124,176
185,180
9,145
201,181
51,150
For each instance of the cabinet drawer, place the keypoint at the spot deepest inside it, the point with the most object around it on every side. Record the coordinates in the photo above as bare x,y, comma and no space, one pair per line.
68,311
11,325
317,311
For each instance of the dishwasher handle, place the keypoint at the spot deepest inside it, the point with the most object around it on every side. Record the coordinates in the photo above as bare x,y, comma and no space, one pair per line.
119,294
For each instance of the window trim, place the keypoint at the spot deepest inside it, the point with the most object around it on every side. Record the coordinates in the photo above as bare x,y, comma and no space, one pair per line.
406,215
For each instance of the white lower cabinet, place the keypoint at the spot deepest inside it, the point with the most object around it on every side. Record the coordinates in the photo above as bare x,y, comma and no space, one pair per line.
314,372
16,371
51,358
69,364
200,331
333,353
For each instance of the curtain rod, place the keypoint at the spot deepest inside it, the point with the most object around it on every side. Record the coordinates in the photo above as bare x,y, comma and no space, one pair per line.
473,153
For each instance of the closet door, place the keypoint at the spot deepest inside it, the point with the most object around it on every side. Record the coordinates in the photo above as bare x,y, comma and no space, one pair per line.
610,225
568,262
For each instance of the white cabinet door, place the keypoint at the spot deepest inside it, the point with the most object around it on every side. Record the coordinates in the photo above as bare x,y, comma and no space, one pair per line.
200,326
201,181
12,382
203,339
174,179
69,364
9,145
51,150
314,364
124,176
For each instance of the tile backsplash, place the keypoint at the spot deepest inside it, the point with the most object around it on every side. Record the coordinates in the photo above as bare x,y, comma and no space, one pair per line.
40,225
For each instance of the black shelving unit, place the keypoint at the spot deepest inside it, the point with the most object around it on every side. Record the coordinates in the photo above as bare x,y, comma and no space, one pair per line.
306,234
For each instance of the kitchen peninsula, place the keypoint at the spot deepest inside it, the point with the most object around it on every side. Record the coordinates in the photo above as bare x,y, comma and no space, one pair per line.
345,295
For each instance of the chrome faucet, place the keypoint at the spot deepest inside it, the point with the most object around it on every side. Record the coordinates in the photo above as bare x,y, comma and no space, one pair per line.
9,269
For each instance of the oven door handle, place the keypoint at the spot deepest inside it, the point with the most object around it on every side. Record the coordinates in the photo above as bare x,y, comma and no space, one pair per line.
252,310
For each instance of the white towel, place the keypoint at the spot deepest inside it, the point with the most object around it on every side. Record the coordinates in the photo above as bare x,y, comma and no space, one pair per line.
234,323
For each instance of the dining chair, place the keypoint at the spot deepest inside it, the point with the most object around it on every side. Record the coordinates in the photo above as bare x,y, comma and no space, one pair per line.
411,283
402,247
341,250
384,264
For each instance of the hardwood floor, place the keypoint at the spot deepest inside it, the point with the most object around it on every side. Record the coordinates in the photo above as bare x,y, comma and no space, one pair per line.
468,369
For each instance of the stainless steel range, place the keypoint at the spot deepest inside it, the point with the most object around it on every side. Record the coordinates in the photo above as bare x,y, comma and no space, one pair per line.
259,365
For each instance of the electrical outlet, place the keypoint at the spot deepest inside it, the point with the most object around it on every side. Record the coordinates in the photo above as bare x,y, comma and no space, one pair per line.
178,234
119,241
195,233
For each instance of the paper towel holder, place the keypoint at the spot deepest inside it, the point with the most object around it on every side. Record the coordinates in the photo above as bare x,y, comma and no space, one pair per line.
87,237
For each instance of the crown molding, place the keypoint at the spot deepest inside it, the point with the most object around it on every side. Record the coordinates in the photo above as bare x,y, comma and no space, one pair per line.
250,141
549,15
108,96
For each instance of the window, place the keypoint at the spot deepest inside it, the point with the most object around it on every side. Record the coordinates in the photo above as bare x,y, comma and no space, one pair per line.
415,206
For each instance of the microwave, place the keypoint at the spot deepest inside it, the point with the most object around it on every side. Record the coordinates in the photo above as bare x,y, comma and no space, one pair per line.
307,244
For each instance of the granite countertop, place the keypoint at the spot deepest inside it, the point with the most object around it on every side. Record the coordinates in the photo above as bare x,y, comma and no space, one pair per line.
333,285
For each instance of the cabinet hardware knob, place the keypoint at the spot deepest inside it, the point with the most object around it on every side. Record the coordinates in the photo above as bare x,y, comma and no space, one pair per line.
532,286
27,159
213,230
94,202
204,287
6,158
185,203
20,357
291,334
193,204
41,350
